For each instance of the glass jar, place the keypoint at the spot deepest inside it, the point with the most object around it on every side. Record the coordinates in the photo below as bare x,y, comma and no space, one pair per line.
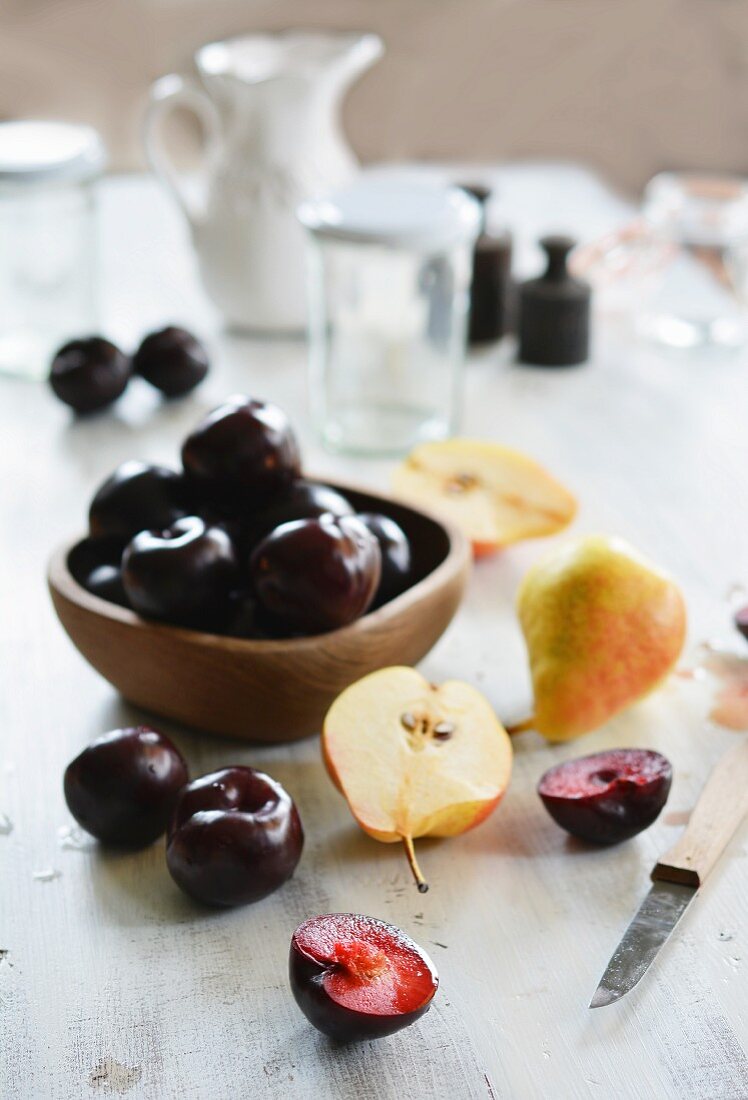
48,277
390,266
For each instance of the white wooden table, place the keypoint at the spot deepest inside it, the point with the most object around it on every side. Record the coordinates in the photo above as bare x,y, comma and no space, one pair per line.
111,982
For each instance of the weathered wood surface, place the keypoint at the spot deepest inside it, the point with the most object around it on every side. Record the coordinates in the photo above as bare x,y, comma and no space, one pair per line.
111,983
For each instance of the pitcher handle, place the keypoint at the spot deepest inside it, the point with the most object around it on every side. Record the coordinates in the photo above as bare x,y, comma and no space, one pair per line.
166,94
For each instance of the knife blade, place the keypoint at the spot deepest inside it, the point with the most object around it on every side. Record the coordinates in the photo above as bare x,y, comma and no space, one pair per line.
677,877
658,915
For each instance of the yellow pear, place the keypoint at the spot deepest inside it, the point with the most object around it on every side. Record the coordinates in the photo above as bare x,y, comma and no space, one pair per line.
415,759
603,626
496,496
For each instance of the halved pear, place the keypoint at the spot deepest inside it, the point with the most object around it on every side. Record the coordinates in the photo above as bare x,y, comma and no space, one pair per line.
496,496
416,759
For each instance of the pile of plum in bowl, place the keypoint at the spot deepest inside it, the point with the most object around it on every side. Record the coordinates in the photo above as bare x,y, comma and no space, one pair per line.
238,596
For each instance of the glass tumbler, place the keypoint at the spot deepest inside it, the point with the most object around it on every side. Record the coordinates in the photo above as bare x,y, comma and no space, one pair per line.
389,278
48,278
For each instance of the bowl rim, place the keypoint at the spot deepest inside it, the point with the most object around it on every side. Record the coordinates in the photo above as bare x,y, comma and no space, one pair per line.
458,557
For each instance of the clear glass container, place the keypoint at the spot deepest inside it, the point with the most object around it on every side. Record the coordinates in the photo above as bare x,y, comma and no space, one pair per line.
48,270
680,270
390,267
699,229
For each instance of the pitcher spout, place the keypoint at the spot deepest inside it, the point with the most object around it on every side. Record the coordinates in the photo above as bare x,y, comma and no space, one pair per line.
357,55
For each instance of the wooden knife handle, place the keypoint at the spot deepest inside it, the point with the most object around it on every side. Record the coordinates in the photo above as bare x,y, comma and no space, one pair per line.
721,807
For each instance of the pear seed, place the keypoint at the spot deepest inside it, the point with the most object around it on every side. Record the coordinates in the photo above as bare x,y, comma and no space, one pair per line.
443,730
408,720
462,483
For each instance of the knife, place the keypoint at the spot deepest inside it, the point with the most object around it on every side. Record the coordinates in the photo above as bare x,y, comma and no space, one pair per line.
677,877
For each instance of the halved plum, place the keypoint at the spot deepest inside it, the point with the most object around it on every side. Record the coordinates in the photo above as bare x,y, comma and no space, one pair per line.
608,796
356,977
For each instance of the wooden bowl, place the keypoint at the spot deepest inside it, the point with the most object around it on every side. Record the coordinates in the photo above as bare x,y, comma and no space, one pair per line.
271,690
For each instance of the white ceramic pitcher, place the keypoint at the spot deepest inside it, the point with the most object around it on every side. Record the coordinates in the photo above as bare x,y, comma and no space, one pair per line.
269,107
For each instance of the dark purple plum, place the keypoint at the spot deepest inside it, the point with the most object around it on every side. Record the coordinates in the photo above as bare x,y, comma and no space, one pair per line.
184,575
242,455
137,497
397,563
89,554
235,837
105,581
172,360
123,787
89,374
315,575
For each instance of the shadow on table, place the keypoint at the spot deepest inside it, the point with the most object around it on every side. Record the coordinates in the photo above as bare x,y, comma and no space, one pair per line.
135,888
436,1053
139,409
203,751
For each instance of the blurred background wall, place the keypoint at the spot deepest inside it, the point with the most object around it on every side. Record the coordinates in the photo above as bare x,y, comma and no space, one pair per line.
628,86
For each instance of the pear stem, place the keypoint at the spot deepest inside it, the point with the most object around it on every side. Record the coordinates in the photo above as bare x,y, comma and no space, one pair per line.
520,727
410,853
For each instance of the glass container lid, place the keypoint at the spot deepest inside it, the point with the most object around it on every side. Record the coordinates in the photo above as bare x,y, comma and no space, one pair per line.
396,213
49,152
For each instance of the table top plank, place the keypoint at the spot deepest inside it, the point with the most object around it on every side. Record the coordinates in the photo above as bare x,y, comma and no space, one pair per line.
111,982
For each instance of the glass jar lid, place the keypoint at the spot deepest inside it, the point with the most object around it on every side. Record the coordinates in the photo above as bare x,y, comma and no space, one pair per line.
697,209
49,152
395,213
